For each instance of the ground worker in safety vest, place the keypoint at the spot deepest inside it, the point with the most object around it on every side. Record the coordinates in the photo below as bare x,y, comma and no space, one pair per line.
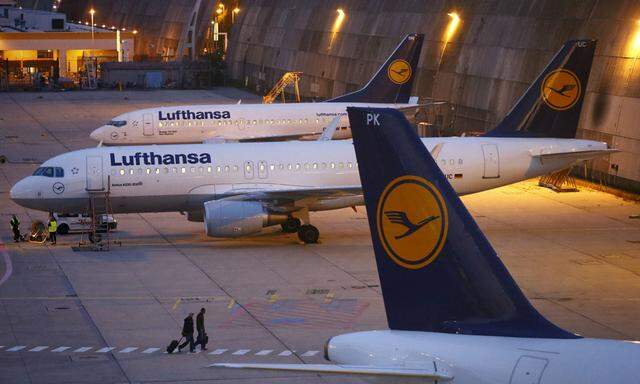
53,227
15,227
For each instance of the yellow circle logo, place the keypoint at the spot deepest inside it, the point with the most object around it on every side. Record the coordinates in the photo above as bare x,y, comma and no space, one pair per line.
561,89
412,221
399,71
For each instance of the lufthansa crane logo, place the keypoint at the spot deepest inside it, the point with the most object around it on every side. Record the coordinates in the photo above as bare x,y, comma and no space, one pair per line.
412,221
399,71
561,89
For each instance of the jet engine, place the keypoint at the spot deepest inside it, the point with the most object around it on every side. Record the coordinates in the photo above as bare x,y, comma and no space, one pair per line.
237,218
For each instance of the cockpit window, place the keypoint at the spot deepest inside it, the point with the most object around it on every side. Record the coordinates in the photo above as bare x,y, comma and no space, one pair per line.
117,123
49,172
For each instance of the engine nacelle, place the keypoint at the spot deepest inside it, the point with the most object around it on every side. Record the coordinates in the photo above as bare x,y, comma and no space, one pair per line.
237,218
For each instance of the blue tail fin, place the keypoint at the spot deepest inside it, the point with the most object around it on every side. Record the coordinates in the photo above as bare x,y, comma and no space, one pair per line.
437,270
551,105
394,80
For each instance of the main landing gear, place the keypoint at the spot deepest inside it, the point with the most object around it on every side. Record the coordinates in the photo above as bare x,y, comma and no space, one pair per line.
307,233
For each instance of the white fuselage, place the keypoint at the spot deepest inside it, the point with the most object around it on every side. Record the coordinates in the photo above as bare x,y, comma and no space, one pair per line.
491,359
198,123
136,185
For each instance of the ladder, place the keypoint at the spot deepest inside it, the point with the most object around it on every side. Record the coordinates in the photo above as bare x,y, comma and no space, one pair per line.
99,204
278,90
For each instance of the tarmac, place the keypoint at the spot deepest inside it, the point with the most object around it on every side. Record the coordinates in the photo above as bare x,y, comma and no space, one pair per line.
107,317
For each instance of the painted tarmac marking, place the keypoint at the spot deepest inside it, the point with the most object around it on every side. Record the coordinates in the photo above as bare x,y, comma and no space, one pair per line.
175,305
150,350
16,348
7,261
39,348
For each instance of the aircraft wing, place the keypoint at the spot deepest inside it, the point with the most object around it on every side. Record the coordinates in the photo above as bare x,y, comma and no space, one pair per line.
427,373
250,192
575,155
293,136
414,107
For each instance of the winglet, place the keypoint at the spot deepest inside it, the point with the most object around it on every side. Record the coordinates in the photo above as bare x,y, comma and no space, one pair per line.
437,270
328,132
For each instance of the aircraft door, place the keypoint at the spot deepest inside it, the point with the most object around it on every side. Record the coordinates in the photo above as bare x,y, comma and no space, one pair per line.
528,370
491,161
248,170
147,125
95,178
263,172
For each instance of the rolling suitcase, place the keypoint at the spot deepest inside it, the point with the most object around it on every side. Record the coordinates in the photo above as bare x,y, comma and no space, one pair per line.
173,345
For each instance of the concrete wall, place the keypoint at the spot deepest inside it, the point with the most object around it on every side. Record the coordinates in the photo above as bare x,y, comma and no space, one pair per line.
499,48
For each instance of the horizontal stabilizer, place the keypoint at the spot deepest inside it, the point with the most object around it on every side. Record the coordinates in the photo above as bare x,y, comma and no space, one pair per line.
427,372
576,155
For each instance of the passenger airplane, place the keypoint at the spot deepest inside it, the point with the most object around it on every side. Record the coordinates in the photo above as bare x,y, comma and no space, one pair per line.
454,312
390,87
239,188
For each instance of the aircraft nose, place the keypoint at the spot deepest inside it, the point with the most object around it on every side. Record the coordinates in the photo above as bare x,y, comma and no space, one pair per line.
97,134
19,191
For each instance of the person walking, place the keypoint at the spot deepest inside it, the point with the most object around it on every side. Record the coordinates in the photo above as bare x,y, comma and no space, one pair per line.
53,228
202,338
15,227
187,332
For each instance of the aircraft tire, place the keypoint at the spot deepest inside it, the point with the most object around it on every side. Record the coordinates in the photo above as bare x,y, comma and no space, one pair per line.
291,225
63,229
308,234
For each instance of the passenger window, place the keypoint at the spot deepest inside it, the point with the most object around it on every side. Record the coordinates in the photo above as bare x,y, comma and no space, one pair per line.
349,165
289,166
272,167
324,165
166,169
148,170
157,171
297,166
174,170
218,169
459,161
315,165
306,165
281,166
227,168
341,165
452,161
333,165
443,162
131,171
121,172
209,169
183,169
193,169
236,168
